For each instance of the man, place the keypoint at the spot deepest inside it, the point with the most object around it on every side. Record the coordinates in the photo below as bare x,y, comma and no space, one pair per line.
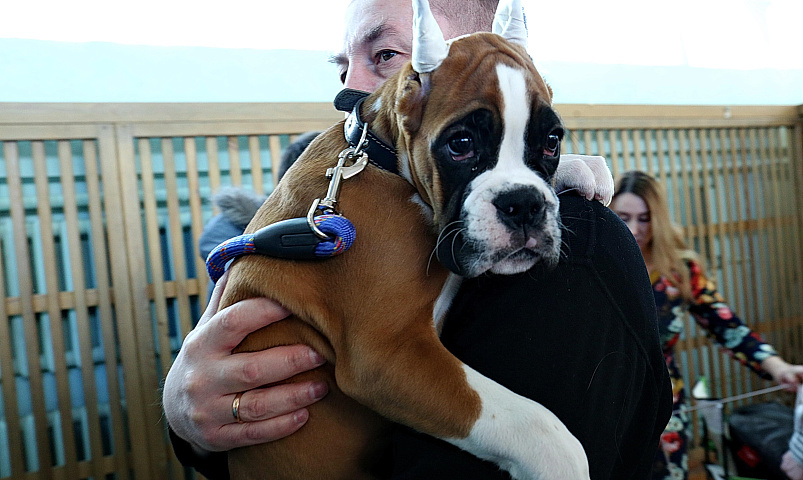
581,339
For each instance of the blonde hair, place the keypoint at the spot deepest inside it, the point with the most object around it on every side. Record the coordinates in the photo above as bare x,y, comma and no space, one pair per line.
668,248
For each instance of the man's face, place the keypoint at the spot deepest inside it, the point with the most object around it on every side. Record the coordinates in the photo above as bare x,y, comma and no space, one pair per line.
378,42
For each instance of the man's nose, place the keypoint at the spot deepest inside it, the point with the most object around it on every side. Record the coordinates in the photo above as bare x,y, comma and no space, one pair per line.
361,78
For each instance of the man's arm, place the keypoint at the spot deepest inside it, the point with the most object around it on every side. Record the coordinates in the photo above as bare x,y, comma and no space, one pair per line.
201,385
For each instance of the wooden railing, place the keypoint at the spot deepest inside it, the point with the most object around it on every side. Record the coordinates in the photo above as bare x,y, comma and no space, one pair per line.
101,206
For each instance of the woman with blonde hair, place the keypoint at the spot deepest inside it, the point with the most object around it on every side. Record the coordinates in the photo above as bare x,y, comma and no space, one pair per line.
680,284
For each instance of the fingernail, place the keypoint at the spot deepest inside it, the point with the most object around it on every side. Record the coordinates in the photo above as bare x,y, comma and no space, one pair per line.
301,416
316,358
318,390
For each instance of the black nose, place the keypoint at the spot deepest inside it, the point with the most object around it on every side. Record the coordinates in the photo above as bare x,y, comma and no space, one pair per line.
521,207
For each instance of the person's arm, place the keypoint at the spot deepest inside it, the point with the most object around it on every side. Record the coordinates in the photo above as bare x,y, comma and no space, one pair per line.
783,373
792,460
212,465
200,387
712,313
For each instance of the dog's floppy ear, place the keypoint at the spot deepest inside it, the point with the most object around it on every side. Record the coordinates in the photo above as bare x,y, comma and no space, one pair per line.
411,100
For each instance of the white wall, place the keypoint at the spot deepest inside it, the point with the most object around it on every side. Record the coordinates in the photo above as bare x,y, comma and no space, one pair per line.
735,52
42,71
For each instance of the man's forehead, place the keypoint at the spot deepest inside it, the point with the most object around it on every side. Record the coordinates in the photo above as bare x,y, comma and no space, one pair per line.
370,20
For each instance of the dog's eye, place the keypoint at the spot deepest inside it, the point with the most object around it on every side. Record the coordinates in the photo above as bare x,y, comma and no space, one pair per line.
460,147
552,146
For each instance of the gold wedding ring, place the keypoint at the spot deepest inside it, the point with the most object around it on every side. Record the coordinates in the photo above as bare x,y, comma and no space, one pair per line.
235,407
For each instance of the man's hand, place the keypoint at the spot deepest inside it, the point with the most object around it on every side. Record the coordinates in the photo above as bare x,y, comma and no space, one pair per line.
201,385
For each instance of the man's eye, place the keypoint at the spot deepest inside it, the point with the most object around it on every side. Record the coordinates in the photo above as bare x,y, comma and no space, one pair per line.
386,55
343,76
460,147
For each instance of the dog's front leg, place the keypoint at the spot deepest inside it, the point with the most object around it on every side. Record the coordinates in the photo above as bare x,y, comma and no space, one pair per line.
411,378
508,422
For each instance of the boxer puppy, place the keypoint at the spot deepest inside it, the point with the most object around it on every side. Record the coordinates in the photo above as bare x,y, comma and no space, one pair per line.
478,144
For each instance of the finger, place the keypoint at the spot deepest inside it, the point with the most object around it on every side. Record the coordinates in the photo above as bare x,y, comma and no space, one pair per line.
228,327
794,376
214,299
790,382
249,370
253,433
266,403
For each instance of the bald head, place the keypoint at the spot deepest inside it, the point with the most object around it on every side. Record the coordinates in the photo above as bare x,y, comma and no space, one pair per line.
466,16
379,34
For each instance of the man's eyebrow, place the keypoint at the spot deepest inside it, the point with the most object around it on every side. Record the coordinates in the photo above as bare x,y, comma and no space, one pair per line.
375,33
339,59
369,37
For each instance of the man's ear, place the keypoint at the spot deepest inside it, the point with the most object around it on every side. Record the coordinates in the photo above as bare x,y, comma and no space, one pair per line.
411,100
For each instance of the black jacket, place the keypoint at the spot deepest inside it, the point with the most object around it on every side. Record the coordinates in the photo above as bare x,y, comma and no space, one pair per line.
581,339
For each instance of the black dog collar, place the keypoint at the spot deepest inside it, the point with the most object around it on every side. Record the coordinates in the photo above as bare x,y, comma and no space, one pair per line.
379,153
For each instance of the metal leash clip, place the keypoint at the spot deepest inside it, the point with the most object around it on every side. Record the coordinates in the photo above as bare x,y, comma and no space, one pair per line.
336,175
300,238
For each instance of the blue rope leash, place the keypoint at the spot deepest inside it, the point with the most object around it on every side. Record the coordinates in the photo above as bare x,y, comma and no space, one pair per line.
307,238
230,249
290,239
342,234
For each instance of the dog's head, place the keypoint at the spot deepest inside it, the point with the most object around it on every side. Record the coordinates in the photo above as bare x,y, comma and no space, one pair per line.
478,137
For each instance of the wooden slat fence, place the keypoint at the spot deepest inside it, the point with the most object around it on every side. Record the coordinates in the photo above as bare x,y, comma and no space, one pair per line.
101,207
733,177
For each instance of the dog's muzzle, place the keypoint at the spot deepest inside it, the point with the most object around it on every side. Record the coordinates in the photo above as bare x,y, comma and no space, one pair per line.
521,209
507,233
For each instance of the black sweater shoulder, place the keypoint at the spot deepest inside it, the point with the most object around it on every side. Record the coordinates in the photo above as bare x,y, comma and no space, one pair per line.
580,338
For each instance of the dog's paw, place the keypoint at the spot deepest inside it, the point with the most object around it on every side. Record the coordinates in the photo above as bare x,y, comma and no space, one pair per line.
587,174
562,457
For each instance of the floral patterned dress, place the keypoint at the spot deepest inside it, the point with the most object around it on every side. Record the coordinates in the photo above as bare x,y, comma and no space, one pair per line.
723,326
